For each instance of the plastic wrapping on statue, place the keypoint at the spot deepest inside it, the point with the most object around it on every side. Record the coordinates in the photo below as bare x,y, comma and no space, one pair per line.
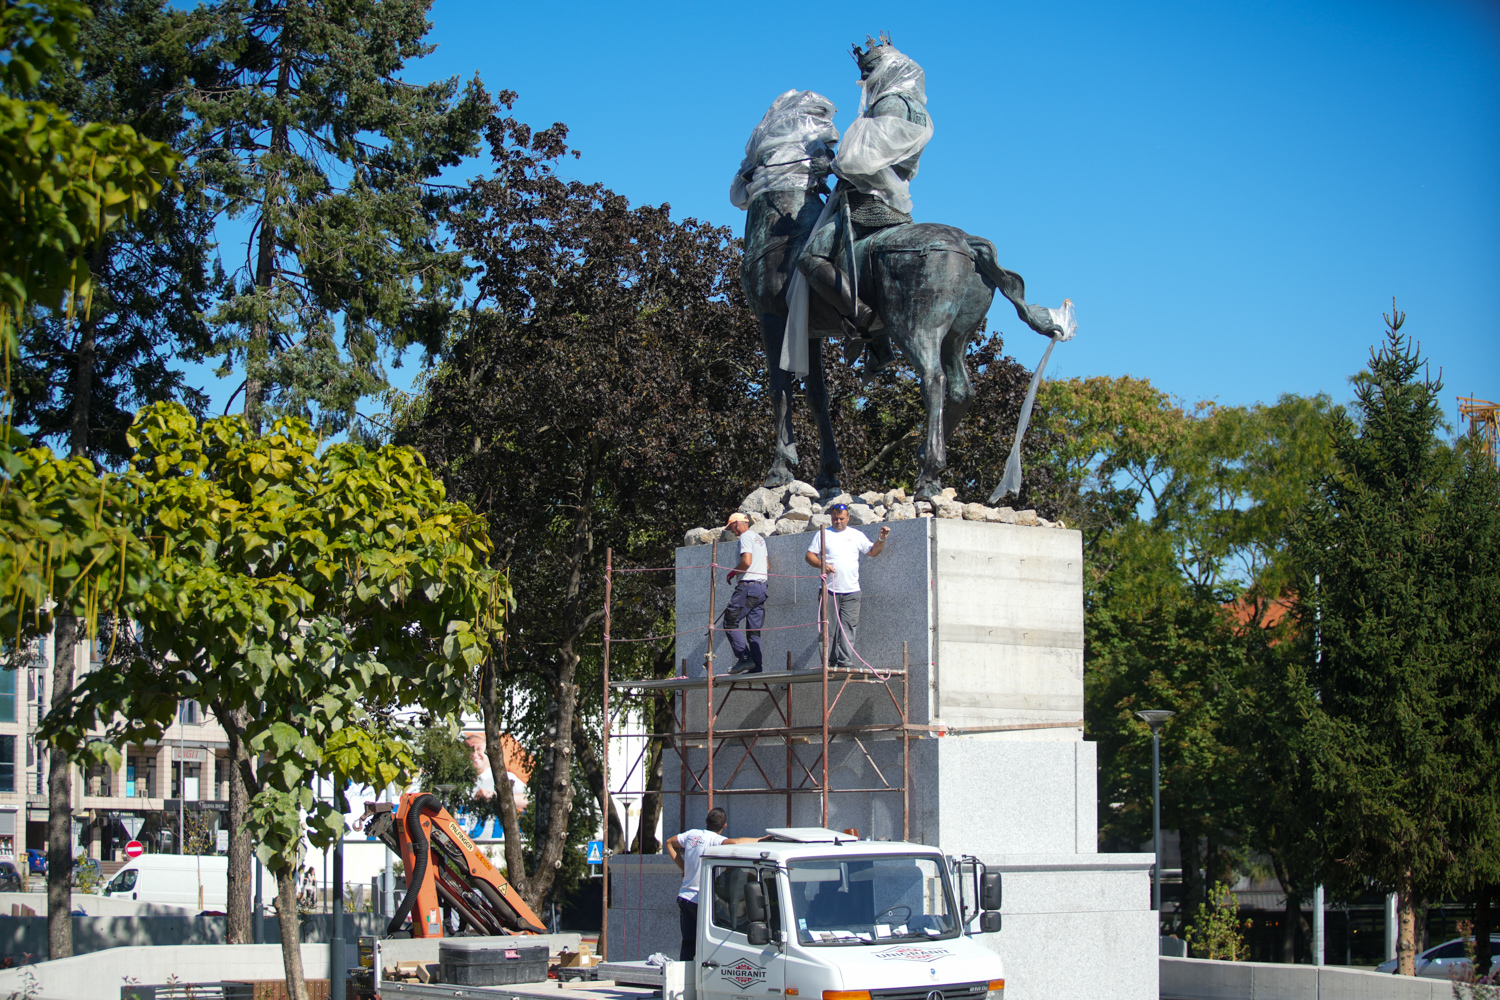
873,147
1067,324
795,351
798,123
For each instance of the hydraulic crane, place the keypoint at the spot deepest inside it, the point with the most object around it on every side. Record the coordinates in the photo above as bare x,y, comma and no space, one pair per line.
445,869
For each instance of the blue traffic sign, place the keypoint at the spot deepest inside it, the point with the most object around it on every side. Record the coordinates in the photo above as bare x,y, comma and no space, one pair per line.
596,852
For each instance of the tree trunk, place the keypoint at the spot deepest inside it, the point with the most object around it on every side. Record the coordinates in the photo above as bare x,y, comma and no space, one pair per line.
1291,918
593,773
83,383
239,917
1482,956
60,801
265,273
1192,881
291,933
1406,925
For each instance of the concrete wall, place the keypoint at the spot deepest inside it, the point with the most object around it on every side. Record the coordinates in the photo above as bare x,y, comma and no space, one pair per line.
23,936
100,975
642,899
1201,979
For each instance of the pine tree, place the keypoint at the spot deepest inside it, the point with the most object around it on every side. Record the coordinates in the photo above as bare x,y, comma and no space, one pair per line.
307,136
1394,731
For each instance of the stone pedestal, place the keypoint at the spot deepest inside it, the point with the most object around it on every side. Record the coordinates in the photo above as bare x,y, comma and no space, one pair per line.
989,618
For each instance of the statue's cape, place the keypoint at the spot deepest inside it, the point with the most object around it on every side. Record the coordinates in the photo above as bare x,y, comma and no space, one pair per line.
790,150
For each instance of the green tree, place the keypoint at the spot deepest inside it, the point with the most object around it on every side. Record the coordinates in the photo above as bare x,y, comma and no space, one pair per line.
1401,730
81,379
1184,510
306,134
66,539
443,758
604,395
305,596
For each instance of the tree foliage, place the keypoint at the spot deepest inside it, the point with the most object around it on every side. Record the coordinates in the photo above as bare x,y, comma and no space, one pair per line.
315,590
306,133
81,379
603,395
1396,555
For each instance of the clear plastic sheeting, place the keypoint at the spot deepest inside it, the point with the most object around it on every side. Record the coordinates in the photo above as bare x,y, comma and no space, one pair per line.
874,147
790,150
1067,323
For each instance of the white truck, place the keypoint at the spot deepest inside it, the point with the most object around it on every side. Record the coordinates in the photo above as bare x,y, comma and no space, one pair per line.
822,915
807,914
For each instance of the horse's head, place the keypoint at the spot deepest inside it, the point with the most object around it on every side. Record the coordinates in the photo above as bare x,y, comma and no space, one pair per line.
790,150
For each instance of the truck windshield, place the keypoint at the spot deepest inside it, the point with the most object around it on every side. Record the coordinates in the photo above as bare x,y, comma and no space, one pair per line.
859,901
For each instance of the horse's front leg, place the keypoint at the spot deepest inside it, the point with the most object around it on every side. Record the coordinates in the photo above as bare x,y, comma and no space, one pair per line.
784,465
829,463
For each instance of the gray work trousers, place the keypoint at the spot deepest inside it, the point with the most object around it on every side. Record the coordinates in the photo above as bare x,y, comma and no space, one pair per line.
844,623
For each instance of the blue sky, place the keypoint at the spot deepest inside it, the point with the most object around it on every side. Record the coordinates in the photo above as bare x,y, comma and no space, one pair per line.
1230,193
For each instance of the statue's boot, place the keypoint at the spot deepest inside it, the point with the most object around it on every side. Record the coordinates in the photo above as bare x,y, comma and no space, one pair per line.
836,288
879,355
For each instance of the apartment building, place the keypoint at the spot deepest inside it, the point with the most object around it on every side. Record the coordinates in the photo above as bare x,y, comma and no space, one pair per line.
159,789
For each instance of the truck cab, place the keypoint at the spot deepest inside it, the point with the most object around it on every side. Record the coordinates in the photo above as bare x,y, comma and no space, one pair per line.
820,915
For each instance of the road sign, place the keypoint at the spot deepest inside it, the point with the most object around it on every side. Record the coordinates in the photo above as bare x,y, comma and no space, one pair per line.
134,849
596,852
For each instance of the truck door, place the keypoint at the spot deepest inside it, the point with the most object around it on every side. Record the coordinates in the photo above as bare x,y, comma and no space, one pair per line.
730,968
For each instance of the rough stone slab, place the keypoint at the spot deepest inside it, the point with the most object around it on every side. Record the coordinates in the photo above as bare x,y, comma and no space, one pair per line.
797,488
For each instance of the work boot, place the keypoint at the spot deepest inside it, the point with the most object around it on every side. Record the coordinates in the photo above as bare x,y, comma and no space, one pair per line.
836,288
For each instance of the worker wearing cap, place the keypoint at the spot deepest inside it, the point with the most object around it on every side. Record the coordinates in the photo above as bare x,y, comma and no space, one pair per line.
835,551
747,606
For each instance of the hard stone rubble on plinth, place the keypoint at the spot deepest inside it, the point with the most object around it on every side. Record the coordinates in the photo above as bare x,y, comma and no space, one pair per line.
787,510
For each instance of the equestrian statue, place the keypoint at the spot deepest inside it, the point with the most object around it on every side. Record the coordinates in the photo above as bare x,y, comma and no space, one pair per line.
857,266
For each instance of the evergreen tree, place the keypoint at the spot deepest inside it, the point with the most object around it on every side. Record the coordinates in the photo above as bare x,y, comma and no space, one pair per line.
306,135
80,379
1397,719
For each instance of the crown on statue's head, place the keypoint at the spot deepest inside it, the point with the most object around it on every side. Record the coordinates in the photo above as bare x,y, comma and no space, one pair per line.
869,57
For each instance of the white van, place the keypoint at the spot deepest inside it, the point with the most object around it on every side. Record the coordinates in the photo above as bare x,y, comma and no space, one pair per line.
192,880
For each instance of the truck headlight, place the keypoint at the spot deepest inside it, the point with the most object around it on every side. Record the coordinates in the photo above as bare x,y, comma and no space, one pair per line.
997,990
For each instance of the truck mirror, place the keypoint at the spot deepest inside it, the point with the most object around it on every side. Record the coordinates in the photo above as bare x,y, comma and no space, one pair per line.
989,891
759,932
755,904
989,921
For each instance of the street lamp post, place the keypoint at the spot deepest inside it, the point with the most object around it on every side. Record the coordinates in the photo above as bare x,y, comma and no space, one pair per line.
1154,718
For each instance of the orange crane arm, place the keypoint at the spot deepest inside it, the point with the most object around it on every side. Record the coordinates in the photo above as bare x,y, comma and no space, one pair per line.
445,867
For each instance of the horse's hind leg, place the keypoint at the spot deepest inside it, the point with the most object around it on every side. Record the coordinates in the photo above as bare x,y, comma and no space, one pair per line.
829,463
956,376
783,466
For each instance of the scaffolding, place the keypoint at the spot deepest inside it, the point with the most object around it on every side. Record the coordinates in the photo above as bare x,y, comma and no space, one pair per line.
1484,422
806,748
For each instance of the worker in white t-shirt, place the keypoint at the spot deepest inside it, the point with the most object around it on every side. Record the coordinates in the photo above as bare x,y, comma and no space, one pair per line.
836,551
747,605
686,849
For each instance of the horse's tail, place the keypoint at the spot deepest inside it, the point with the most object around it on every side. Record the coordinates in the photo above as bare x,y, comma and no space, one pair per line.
1011,286
1008,283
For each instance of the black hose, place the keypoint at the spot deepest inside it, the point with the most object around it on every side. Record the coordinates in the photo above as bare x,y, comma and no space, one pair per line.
419,866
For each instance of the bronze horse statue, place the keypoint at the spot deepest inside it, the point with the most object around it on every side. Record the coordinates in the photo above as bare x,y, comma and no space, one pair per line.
930,284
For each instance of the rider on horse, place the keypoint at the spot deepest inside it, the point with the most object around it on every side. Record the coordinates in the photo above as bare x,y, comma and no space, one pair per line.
875,164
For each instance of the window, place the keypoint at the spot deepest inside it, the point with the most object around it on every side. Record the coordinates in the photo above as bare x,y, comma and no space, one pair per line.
7,695
869,900
123,882
729,898
187,712
7,763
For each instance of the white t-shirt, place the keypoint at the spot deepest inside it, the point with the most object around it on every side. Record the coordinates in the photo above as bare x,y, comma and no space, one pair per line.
754,543
694,843
844,549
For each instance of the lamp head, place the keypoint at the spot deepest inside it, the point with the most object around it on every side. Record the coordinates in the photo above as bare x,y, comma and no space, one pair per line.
1154,717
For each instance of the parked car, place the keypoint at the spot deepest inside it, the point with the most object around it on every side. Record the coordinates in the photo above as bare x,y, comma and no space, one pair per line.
36,861
81,865
10,879
1439,961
